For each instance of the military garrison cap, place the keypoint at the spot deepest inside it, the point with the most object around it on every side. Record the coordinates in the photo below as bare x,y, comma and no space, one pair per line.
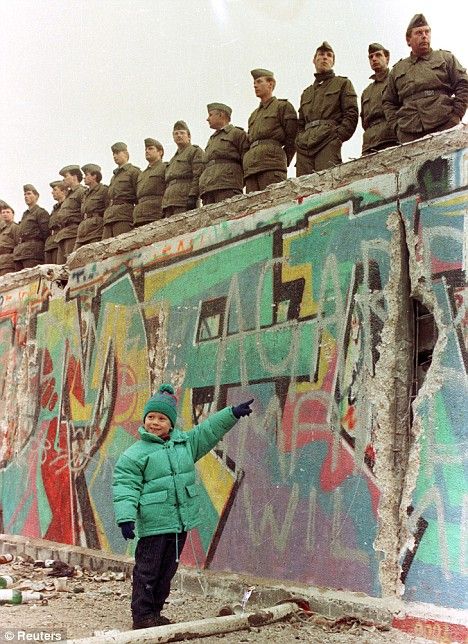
325,46
57,184
375,46
258,73
417,20
219,106
68,168
181,125
29,187
91,167
153,142
119,147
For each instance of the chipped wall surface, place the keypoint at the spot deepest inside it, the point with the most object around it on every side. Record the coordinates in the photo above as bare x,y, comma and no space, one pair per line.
301,298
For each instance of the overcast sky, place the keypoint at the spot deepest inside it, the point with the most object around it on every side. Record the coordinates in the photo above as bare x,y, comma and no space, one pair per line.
78,75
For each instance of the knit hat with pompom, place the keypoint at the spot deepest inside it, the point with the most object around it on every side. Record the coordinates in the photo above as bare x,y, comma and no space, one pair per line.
164,401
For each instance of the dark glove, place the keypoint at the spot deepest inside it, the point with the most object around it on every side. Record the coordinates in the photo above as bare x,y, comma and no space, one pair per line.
191,203
128,530
243,409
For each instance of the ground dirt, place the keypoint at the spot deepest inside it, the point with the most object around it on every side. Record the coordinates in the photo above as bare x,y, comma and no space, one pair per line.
94,603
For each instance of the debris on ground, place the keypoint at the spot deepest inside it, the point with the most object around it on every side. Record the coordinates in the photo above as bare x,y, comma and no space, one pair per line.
84,603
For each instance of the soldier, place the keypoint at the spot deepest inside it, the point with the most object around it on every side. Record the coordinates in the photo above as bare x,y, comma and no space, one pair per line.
69,216
118,216
271,134
377,134
33,230
182,173
92,207
426,92
328,116
151,185
223,176
8,239
59,192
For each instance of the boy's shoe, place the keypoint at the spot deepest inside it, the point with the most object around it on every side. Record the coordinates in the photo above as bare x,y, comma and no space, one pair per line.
145,622
162,620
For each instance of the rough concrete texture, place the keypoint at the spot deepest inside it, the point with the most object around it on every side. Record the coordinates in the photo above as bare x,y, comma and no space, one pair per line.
299,296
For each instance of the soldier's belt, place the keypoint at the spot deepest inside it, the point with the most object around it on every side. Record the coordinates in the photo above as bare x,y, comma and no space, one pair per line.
258,141
317,122
25,238
149,198
121,202
376,121
213,161
179,179
427,92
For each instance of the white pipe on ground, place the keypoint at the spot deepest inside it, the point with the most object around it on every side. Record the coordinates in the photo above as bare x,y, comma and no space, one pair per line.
197,628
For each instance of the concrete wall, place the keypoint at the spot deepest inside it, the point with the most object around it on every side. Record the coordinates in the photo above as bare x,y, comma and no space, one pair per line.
349,475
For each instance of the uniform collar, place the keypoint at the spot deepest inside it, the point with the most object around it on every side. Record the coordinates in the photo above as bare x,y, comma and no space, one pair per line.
414,58
374,76
264,105
323,76
122,167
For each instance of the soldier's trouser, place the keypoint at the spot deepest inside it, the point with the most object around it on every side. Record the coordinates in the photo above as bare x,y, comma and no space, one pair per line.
261,180
168,211
65,247
79,244
327,157
26,263
156,562
216,196
5,271
116,228
406,137
50,256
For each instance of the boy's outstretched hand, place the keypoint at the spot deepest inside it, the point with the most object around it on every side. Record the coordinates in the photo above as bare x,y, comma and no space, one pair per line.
128,530
243,409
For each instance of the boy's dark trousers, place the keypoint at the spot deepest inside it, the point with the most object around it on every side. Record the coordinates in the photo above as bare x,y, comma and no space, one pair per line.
156,562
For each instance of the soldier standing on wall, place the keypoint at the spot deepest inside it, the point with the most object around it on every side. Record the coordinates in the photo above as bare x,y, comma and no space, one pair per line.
118,217
223,177
272,131
8,239
328,116
377,134
151,185
92,207
69,216
426,92
182,173
59,193
33,230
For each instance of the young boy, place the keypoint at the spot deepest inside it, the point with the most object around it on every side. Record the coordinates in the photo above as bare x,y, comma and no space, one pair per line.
155,486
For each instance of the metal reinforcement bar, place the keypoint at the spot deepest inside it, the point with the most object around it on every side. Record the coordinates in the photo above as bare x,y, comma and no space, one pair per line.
197,628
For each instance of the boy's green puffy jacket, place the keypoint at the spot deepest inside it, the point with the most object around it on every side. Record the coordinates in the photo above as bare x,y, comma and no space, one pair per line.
155,480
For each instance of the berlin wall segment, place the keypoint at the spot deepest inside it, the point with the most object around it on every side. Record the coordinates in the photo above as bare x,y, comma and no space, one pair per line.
292,305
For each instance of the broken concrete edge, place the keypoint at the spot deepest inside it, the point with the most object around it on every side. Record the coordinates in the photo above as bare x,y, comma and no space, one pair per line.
47,272
278,194
230,587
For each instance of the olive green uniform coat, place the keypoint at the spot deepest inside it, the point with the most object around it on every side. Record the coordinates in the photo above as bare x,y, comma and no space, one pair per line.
425,94
69,215
33,230
328,116
122,194
155,480
151,185
223,160
182,175
50,244
8,240
377,133
271,134
92,211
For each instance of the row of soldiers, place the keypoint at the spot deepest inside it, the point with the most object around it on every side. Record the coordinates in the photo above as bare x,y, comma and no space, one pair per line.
426,92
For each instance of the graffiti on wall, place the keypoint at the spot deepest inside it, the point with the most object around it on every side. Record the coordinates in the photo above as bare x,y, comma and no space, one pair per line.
286,306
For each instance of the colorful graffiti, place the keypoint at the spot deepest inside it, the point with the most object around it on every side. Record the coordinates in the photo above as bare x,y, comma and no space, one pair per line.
286,305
